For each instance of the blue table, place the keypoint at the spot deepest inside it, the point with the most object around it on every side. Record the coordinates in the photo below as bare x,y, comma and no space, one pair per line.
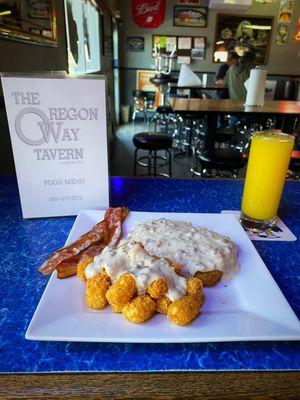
25,244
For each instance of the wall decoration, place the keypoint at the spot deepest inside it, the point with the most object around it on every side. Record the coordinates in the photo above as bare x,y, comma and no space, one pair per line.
195,17
39,9
135,43
143,83
143,80
185,45
164,43
29,21
106,35
148,13
285,11
198,51
183,60
198,54
282,35
241,33
297,34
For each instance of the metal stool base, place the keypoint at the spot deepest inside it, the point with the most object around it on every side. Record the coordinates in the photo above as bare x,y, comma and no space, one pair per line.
153,163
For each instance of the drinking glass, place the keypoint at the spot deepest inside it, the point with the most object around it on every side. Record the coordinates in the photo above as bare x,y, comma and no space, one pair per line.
269,158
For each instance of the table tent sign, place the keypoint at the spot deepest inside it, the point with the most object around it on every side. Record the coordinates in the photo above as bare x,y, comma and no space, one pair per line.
58,131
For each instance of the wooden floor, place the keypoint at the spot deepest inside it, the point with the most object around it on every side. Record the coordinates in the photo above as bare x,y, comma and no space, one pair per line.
166,386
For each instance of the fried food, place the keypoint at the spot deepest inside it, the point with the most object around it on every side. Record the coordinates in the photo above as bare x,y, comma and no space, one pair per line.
121,292
194,286
140,309
106,232
81,268
184,310
209,278
162,305
95,292
193,248
158,288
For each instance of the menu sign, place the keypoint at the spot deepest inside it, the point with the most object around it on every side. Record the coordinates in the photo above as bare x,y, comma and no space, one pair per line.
59,137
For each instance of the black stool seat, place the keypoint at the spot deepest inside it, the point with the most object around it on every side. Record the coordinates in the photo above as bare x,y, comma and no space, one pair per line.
160,79
152,141
139,93
223,159
164,110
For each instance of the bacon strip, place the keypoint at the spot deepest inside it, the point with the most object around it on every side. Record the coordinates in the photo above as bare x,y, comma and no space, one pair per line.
69,267
106,232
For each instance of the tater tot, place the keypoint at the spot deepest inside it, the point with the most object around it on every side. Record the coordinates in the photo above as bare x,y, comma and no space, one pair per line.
82,266
194,286
184,310
158,288
162,305
209,278
140,309
95,292
121,292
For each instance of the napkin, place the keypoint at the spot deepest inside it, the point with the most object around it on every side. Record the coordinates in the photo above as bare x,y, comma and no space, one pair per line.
187,77
255,86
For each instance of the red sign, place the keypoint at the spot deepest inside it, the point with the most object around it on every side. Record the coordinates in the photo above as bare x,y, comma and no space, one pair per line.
148,13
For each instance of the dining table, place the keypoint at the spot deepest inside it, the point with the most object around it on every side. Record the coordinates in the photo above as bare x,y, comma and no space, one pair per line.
78,370
284,111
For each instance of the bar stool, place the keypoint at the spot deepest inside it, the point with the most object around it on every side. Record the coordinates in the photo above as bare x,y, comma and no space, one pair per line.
140,104
153,142
163,116
230,160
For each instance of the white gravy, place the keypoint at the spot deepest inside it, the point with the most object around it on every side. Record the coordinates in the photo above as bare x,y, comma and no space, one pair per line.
133,259
195,249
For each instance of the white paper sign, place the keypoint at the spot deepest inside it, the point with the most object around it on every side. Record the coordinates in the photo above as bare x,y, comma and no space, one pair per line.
59,137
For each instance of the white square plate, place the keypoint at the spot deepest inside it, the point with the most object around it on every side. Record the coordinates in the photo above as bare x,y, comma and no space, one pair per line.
248,307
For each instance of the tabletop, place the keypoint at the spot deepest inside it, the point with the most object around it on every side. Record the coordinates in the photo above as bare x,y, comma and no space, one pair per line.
25,244
201,87
234,106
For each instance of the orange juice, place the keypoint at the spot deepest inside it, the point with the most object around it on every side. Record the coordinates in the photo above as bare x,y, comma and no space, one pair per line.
269,158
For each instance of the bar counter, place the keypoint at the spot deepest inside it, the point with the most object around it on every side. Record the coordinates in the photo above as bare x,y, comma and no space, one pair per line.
25,244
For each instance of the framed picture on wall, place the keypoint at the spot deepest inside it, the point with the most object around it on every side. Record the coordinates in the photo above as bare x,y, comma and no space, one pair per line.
164,43
241,33
135,43
39,9
193,17
29,21
199,47
106,35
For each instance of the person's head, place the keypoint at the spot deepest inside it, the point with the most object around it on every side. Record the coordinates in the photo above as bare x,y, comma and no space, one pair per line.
233,58
248,60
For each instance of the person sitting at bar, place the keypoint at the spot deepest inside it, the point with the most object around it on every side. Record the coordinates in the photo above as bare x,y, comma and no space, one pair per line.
237,74
232,59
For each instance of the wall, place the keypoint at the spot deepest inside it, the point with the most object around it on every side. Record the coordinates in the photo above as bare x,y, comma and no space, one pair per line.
282,60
